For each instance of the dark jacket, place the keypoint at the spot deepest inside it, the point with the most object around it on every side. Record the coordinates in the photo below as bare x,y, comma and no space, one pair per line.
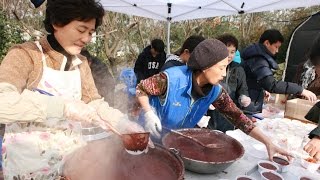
103,80
147,65
236,85
172,60
314,116
258,64
236,81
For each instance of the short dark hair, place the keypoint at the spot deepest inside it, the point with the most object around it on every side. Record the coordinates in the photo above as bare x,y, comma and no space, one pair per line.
228,40
315,51
191,42
157,45
62,12
272,35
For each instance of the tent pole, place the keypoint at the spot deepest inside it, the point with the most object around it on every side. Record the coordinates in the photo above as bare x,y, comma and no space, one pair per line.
168,27
168,37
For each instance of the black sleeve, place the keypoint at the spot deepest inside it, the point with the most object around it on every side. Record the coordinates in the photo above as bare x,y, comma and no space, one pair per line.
281,87
138,68
260,69
314,116
104,81
314,113
242,87
162,60
315,132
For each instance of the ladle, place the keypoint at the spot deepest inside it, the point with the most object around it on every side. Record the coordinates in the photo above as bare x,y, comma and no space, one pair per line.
211,146
136,142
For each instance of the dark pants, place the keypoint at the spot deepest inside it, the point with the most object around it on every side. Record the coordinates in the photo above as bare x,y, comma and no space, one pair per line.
218,121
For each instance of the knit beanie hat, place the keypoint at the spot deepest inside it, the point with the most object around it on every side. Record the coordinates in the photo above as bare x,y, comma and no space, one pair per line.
208,53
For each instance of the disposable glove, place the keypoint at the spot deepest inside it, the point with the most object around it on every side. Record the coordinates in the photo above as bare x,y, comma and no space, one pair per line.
79,111
244,100
116,118
203,123
152,124
211,107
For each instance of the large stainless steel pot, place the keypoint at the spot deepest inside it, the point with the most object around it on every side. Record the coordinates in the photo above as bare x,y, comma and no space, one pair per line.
205,160
107,159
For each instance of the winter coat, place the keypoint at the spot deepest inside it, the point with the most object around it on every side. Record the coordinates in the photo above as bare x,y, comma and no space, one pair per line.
236,85
259,64
314,116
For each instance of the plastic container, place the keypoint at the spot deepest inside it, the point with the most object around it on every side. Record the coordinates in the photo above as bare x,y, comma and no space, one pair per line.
244,177
310,165
270,175
92,133
282,163
306,177
267,166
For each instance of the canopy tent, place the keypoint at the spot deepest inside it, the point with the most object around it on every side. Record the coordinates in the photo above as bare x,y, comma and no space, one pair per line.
300,42
178,10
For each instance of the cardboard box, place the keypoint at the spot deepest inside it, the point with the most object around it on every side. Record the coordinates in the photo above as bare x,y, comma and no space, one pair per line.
297,109
277,98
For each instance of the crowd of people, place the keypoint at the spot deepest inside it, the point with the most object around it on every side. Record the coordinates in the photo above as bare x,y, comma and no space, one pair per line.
52,88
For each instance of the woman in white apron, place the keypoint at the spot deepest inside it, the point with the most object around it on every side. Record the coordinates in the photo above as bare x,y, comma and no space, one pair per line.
42,129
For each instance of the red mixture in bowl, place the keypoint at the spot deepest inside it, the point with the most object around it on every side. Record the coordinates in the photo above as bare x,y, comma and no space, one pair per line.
231,148
268,166
243,178
271,176
280,161
305,178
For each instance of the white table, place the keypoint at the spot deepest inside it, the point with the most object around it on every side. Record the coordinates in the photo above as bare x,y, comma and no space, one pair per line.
249,161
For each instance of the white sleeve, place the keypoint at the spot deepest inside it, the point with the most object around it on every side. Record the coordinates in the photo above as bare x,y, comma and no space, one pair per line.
27,106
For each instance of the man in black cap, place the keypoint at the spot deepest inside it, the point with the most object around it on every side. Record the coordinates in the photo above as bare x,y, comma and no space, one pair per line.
181,95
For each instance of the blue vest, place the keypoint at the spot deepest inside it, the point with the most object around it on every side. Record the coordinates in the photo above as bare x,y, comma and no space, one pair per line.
176,109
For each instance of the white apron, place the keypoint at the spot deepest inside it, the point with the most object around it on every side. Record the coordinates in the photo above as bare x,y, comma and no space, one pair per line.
38,150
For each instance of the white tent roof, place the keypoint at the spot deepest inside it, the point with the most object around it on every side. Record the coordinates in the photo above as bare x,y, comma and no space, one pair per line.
178,10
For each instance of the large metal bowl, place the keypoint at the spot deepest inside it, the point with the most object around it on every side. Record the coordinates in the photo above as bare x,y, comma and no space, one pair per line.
200,159
106,159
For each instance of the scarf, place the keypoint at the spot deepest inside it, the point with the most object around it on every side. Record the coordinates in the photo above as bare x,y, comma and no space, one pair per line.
308,74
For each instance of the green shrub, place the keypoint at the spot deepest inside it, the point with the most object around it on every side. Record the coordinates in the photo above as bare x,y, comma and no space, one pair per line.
10,34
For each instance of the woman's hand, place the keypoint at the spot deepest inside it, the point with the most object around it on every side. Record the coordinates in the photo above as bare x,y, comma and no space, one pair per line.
273,149
313,148
267,96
